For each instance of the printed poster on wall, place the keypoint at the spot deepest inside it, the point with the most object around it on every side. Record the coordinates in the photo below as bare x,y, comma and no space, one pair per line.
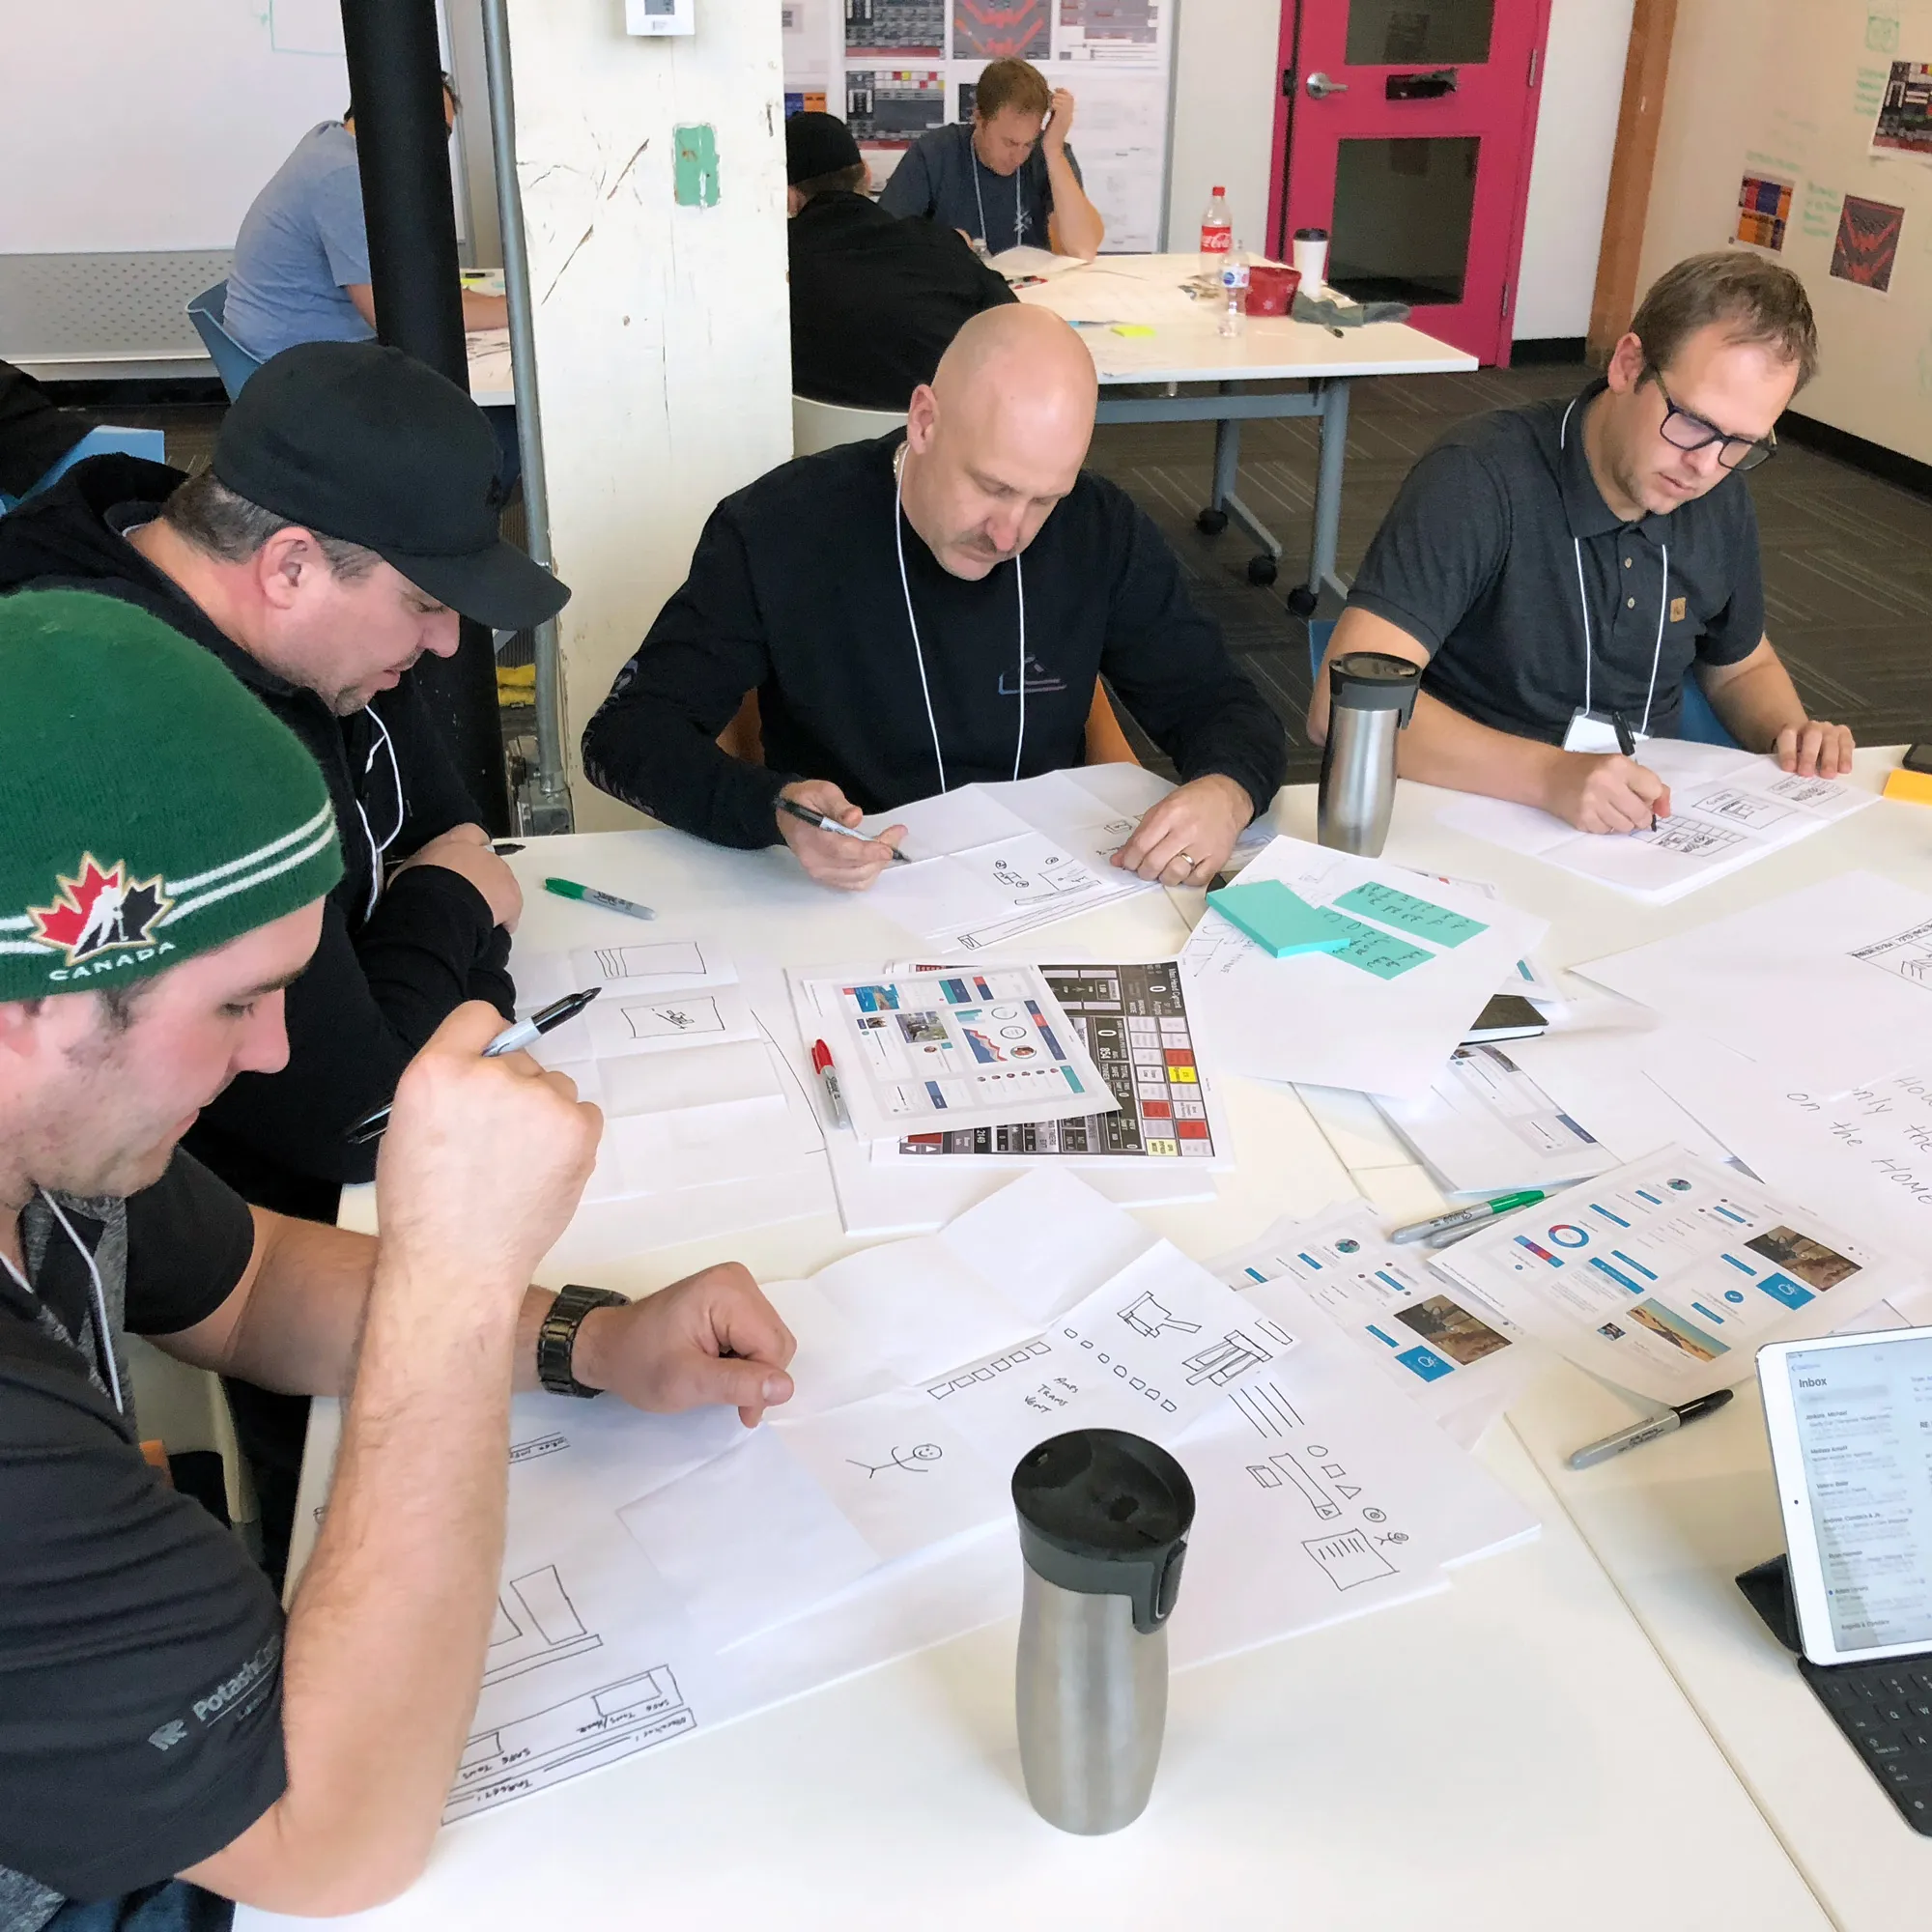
1904,125
1764,210
893,69
1868,243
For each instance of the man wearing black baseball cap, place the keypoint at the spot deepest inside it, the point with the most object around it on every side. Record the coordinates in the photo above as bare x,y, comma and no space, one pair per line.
874,301
348,518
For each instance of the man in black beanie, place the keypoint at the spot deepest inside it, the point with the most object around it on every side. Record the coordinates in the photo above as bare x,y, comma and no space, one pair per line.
874,301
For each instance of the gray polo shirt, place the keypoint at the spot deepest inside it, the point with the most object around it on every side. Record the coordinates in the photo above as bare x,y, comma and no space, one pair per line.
1478,561
941,175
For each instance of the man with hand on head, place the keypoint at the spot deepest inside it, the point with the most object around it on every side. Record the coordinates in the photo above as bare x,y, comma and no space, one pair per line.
933,610
168,1741
874,301
349,513
1560,570
1008,178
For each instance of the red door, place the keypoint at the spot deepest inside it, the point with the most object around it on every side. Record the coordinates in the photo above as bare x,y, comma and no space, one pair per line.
1404,128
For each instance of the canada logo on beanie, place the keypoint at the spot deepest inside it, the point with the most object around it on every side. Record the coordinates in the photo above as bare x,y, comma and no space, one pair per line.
101,910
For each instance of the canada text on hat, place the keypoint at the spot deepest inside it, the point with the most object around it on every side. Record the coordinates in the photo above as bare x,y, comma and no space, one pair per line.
161,810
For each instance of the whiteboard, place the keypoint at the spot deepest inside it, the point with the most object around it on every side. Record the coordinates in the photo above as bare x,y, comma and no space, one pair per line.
150,124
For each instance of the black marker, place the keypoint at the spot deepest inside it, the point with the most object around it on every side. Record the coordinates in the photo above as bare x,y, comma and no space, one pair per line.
1626,744
525,1033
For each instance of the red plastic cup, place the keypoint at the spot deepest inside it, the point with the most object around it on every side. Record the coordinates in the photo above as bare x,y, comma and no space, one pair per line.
1272,287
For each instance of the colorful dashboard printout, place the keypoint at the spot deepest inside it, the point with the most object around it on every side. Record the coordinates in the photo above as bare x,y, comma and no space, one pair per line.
1667,1275
1133,1020
995,29
1904,119
927,1044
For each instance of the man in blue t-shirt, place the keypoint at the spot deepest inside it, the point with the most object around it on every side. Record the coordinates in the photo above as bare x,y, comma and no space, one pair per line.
1008,179
301,260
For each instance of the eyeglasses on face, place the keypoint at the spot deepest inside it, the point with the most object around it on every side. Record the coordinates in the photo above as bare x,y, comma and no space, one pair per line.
1684,429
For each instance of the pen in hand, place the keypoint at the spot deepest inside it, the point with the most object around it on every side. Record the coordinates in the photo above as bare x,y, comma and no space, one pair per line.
1626,744
804,815
525,1033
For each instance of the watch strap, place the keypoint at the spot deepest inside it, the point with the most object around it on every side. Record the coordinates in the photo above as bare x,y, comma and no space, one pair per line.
557,1338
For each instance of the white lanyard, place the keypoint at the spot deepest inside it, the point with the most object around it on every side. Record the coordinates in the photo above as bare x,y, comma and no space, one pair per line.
919,654
103,1340
376,851
1584,605
1019,226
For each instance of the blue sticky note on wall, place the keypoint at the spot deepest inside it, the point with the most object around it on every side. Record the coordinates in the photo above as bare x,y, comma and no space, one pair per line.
1280,922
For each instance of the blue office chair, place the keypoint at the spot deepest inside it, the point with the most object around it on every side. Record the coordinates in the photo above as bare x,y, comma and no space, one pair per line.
233,363
105,440
1695,720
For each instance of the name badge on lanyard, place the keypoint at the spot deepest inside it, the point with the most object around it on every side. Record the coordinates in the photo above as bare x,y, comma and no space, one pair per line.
1594,731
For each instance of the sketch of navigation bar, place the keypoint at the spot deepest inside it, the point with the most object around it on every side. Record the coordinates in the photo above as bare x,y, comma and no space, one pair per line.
527,1753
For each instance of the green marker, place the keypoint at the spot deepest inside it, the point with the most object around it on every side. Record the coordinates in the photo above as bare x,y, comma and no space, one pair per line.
1463,1217
569,889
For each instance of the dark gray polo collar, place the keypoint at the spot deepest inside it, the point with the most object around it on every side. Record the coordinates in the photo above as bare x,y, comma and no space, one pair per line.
1583,507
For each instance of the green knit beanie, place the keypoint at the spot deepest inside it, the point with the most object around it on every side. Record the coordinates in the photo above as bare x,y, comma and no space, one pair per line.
153,808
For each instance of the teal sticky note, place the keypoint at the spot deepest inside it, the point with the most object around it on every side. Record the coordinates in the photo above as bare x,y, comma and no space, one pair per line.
1278,920
1381,953
1390,905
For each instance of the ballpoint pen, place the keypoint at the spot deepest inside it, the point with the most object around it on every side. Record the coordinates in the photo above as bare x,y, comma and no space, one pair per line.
525,1033
805,814
1648,1429
1463,1217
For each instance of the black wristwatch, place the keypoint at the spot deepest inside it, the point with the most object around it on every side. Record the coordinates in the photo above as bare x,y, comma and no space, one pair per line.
557,1339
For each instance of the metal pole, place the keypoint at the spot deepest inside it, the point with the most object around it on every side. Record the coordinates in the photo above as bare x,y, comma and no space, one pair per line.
402,154
552,798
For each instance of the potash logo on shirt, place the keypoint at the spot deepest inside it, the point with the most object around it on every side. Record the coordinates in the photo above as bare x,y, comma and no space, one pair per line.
102,917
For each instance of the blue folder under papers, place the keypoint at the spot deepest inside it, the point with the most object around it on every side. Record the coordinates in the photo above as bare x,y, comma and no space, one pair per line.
1282,922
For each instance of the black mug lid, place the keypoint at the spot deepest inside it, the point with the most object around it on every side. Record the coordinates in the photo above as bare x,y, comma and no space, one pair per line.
1104,1513
1374,681
1311,234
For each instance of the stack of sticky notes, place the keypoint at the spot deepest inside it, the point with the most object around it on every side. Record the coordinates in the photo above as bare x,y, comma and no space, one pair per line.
1916,788
1282,922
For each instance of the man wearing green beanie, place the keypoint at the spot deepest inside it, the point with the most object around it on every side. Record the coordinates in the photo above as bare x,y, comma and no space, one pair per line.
167,1742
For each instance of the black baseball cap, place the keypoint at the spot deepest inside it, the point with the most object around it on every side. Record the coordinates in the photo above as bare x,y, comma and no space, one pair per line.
361,443
817,144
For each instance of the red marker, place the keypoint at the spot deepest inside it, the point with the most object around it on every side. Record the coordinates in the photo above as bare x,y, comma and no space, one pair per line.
821,1065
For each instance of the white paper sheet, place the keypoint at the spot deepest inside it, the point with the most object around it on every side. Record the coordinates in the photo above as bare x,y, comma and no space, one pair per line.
1387,1303
1865,1157
1485,1127
1666,1276
1385,1027
1830,986
1728,809
934,1048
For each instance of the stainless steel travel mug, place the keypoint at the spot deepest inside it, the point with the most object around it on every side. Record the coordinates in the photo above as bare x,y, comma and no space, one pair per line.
1371,696
1103,1518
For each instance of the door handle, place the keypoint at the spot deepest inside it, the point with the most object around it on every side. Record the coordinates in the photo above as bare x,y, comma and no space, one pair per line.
1322,87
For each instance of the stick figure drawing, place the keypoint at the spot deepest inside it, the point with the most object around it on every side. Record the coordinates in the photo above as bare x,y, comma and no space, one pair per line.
912,1459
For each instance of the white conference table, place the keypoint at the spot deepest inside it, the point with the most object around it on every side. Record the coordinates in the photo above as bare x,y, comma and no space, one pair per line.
1212,377
1588,1732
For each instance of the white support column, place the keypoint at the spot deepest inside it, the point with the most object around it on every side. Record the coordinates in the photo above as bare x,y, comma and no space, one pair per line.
663,344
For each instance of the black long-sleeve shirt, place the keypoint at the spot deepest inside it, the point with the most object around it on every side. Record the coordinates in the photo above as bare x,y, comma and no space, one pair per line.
794,593
381,980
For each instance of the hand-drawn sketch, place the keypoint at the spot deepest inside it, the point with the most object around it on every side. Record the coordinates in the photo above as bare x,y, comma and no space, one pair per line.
1145,1316
1692,839
1907,954
1741,807
525,1753
1348,1558
1266,1410
678,959
913,1461
1222,1361
537,1445
536,1624
675,1019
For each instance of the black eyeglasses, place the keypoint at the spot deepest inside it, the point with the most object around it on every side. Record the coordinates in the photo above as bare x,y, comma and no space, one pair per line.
1685,430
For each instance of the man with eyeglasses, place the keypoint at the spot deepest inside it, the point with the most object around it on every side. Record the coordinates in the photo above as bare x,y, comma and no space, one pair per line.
1560,570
